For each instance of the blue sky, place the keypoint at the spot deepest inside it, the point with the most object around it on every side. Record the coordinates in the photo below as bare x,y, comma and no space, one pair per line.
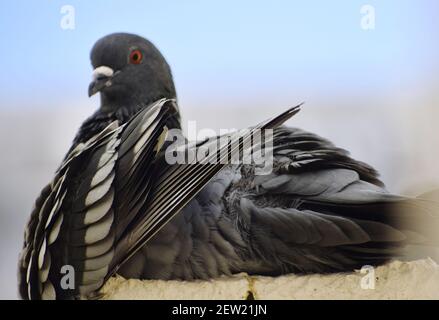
218,48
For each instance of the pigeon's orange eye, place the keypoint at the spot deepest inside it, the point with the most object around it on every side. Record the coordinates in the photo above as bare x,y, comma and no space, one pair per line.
136,57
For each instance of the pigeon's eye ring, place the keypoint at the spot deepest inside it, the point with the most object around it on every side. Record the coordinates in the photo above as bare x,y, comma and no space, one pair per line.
136,56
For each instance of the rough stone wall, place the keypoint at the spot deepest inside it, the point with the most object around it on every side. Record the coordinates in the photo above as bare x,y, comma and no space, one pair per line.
396,280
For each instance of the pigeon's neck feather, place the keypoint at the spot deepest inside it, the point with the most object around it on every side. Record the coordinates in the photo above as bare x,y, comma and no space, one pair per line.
102,118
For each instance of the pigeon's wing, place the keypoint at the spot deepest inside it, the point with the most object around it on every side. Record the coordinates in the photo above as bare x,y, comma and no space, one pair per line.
322,211
74,227
99,209
177,184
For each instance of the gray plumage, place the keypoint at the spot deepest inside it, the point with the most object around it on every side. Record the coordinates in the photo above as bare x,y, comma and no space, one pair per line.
114,204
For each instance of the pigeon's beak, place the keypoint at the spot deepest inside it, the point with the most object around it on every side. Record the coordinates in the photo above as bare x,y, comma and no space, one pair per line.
102,77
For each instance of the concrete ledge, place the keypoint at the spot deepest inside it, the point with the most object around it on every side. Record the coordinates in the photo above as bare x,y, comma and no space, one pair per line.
396,280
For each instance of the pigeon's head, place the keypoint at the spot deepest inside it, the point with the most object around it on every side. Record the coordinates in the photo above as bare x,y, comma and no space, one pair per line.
129,71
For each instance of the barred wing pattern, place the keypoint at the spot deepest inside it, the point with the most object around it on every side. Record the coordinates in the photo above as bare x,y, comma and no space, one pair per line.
78,217
100,208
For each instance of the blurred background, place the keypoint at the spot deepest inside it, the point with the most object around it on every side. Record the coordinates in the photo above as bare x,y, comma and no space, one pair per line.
367,70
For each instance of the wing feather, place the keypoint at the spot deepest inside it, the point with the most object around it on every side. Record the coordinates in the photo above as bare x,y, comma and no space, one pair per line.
108,198
74,220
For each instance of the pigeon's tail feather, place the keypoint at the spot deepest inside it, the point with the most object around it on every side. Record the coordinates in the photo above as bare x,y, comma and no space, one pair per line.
323,237
412,223
322,205
417,219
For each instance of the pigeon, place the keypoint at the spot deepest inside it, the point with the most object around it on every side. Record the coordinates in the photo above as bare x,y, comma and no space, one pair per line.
117,206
